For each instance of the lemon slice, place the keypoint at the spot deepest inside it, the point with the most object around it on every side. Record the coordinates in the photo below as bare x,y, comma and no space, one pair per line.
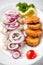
29,12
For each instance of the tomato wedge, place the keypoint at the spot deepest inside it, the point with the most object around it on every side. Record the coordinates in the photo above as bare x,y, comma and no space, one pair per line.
31,54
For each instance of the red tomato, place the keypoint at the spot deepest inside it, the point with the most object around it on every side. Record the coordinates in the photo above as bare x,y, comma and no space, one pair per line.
31,54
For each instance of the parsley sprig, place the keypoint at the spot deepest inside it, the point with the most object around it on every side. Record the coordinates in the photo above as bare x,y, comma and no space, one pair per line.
24,6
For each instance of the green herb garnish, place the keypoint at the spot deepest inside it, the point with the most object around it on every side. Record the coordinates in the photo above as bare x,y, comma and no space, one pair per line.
31,5
24,6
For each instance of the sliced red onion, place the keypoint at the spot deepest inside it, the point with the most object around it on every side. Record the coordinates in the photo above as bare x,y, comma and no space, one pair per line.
24,34
11,51
12,26
12,46
17,38
16,54
16,15
12,14
16,32
7,23
22,43
25,26
12,17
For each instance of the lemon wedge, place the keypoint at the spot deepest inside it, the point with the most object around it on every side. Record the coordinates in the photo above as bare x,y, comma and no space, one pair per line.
29,12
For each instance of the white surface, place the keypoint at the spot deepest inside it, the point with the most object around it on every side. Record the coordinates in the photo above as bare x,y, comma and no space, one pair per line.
38,3
2,56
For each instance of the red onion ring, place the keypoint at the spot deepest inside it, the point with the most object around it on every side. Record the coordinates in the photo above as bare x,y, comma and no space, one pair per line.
12,17
25,35
12,46
12,14
17,40
16,54
12,26
7,23
22,43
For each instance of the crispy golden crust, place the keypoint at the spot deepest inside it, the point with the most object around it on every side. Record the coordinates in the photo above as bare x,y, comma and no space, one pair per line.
32,41
32,19
34,26
34,33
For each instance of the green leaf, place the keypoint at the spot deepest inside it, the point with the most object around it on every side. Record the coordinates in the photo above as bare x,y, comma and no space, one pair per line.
19,4
24,6
31,5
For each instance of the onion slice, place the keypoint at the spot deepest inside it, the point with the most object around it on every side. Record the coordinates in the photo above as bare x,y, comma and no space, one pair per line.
6,22
16,36
12,17
24,33
12,46
12,26
16,54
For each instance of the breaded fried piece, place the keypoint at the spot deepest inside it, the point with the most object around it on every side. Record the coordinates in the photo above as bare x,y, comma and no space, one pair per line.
32,41
33,33
34,26
32,19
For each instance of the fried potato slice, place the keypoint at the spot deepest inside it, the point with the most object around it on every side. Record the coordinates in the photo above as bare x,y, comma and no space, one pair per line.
34,26
32,41
34,33
32,19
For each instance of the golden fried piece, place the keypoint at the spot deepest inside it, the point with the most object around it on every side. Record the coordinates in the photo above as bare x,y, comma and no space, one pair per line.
33,33
32,41
34,26
32,19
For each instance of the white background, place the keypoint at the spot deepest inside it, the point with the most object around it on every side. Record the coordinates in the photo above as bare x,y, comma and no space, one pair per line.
39,5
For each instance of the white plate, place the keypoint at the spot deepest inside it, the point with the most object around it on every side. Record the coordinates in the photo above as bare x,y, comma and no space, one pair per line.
23,60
